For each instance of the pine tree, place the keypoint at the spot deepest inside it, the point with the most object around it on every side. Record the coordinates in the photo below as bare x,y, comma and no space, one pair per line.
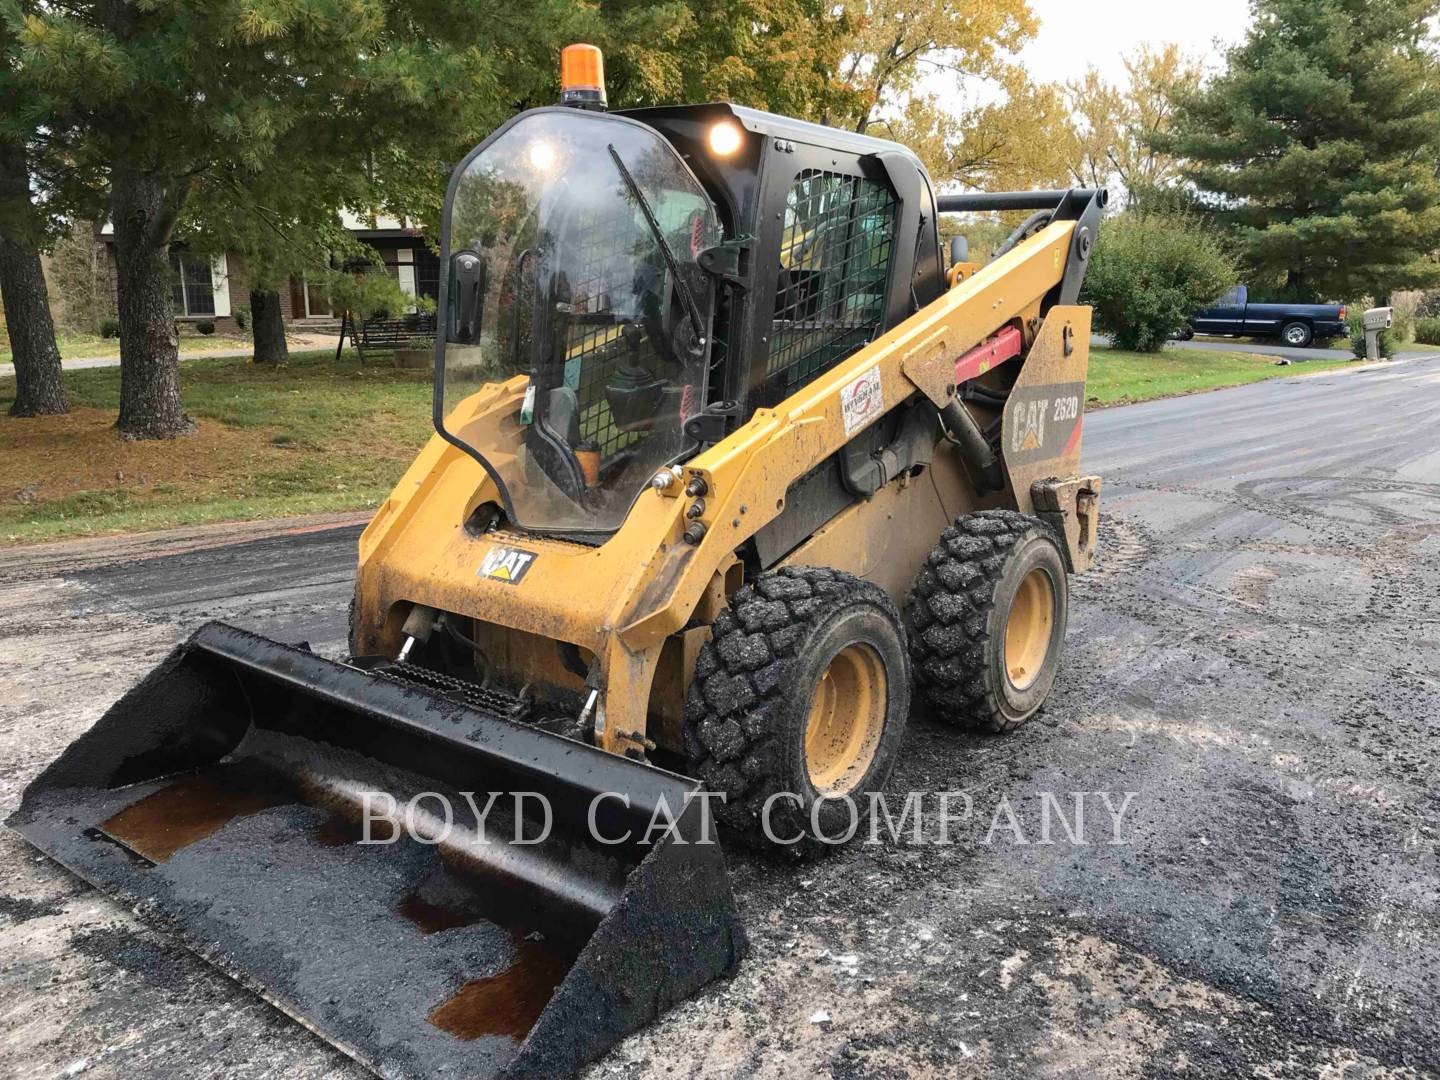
172,98
24,227
1319,146
39,387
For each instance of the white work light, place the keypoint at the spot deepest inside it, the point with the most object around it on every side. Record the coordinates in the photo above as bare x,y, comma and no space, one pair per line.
724,138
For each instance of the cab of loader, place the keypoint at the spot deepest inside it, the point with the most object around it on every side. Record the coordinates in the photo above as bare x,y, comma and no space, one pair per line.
656,276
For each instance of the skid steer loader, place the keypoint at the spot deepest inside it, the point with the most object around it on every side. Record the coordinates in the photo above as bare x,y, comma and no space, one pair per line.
727,465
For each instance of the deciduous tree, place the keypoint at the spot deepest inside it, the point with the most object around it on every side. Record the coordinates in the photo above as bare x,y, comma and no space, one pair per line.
175,97
891,44
1001,145
1111,139
778,55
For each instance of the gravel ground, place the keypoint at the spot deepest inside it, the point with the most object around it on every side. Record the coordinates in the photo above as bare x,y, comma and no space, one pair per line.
1255,658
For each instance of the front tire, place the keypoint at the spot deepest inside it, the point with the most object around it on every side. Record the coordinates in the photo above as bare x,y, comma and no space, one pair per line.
800,698
987,619
1297,334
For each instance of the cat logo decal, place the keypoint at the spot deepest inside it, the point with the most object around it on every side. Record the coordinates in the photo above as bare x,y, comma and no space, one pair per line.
506,564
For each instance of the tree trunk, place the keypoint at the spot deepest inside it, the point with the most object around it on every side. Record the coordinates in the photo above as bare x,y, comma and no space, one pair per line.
142,213
267,324
39,389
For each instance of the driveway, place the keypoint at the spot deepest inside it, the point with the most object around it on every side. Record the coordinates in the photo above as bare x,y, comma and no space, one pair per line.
1255,658
1263,348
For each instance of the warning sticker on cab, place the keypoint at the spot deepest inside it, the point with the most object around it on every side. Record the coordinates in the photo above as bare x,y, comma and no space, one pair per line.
862,401
505,564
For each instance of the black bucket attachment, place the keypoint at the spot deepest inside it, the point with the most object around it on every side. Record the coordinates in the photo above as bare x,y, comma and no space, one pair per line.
224,798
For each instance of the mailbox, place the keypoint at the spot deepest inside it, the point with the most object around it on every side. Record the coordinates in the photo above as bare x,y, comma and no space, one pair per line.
1376,320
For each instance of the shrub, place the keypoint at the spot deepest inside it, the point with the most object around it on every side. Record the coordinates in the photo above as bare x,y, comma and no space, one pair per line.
1355,321
109,328
1149,272
242,318
81,293
1427,330
205,327
371,295
1404,307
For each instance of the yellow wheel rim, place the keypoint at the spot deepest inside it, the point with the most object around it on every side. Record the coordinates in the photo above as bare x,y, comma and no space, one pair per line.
847,716
1028,628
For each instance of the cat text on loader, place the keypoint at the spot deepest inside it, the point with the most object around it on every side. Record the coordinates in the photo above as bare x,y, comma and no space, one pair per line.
728,466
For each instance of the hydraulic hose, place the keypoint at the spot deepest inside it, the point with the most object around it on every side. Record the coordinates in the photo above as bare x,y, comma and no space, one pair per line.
1038,218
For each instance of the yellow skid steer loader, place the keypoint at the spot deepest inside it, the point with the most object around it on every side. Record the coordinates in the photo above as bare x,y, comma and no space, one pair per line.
727,465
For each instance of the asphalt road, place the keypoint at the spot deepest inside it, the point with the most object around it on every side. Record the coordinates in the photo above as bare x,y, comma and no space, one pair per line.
1266,348
1255,658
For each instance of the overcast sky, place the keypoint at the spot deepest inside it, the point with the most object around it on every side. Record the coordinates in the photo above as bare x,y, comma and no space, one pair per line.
1076,33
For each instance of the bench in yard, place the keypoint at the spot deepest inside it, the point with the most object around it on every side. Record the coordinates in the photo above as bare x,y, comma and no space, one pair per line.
388,335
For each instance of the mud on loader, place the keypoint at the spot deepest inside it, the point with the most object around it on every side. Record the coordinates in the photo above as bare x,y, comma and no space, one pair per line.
728,464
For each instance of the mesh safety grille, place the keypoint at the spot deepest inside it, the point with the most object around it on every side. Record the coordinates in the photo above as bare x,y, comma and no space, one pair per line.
834,261
606,246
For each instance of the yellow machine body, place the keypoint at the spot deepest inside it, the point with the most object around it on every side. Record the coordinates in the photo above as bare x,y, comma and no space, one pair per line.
639,601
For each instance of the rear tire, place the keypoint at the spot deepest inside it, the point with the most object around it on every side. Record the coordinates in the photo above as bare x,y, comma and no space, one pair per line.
802,694
1297,334
987,619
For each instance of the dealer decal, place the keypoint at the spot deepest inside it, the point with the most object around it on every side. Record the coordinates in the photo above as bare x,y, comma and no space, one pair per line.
862,400
1042,421
506,564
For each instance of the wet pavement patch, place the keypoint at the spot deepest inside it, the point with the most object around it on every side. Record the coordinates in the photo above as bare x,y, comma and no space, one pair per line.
192,808
509,1002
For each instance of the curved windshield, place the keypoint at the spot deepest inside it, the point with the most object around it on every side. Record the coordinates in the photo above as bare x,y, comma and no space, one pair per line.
573,239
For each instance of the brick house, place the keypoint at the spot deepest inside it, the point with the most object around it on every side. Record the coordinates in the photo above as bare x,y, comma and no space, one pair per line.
214,289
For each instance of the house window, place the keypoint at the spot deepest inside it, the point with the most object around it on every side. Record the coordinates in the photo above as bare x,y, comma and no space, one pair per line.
192,289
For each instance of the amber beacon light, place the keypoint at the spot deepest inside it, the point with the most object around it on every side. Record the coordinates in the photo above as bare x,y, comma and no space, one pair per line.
582,77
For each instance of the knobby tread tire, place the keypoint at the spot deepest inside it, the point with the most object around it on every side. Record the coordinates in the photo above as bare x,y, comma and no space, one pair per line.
952,618
736,707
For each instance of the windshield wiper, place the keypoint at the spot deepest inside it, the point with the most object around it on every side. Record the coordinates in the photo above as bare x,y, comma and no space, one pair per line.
691,310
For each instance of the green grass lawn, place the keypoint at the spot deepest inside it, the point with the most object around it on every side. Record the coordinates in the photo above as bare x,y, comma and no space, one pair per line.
84,346
315,435
1118,377
309,436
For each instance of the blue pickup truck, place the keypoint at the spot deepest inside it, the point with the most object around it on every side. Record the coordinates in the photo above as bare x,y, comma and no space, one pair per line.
1294,324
